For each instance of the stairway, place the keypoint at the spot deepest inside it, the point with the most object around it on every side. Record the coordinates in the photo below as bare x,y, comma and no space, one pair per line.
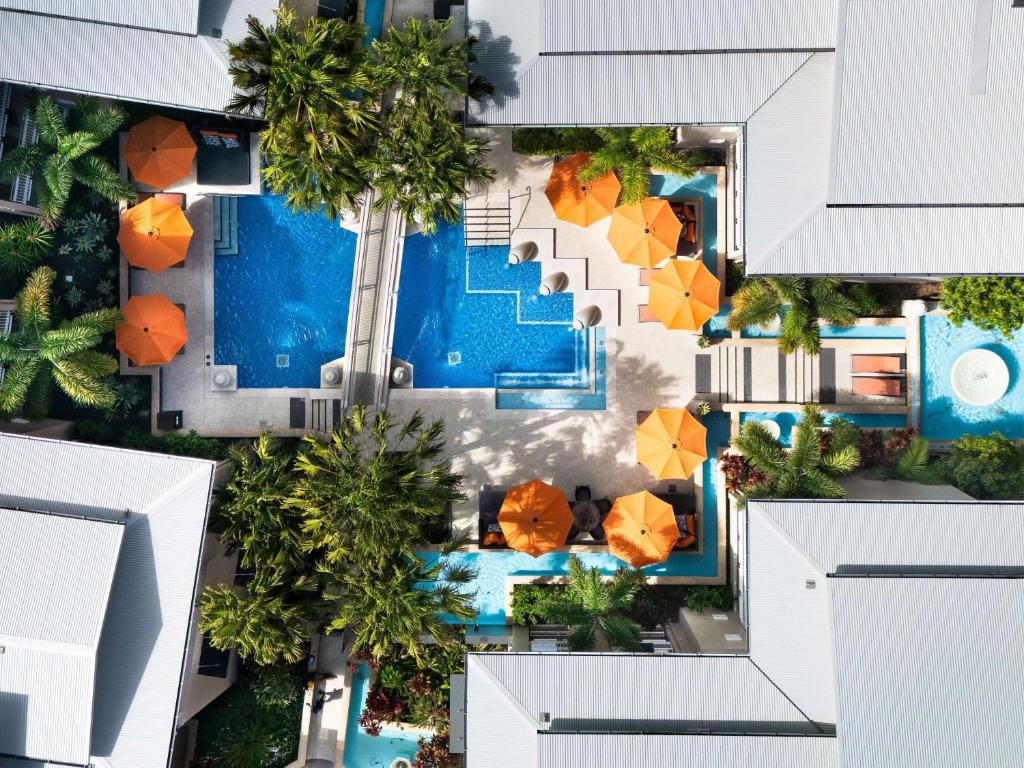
225,225
725,374
488,219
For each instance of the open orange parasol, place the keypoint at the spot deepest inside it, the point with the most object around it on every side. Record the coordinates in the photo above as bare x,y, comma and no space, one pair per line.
671,443
645,233
641,529
153,330
159,151
578,202
154,234
684,295
535,518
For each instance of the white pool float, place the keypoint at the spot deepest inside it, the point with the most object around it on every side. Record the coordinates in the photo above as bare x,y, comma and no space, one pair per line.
772,428
771,326
400,762
980,377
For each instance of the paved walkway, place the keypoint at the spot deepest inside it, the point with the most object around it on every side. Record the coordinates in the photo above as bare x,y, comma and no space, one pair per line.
323,732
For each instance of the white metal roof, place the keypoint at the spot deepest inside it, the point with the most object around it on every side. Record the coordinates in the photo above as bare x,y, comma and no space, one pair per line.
128,63
929,671
586,26
55,578
179,16
608,750
148,622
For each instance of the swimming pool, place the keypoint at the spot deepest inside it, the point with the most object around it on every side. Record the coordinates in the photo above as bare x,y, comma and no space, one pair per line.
943,415
373,18
495,566
363,750
281,302
787,420
716,328
704,186
473,321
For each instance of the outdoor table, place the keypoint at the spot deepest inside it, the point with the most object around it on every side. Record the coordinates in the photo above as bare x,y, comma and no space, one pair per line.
587,515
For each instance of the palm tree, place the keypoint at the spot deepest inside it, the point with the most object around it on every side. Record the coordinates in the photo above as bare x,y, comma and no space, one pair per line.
805,472
253,511
272,622
423,163
367,494
64,155
763,299
23,244
36,352
393,607
631,153
913,465
307,80
596,609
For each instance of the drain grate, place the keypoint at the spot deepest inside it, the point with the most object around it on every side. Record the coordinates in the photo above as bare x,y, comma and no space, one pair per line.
454,358
282,361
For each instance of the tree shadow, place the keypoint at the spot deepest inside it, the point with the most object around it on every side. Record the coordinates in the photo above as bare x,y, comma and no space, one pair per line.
495,62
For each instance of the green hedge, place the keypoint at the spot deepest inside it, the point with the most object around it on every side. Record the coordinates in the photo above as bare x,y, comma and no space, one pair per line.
555,141
189,444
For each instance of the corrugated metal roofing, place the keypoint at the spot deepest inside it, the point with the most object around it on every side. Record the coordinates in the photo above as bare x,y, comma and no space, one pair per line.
605,750
55,578
635,90
787,143
930,671
147,626
684,25
114,61
177,16
902,533
909,130
498,731
899,241
789,636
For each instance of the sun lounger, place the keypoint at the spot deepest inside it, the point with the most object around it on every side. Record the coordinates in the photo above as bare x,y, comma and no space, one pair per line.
877,363
876,386
644,314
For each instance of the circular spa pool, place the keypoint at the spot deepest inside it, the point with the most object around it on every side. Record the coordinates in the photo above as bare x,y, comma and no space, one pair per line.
980,377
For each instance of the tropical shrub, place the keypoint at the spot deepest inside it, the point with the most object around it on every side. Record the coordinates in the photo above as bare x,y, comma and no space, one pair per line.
380,707
555,141
700,597
596,609
254,724
176,444
532,603
800,303
808,471
986,467
65,154
991,303
23,244
36,353
433,753
631,153
306,78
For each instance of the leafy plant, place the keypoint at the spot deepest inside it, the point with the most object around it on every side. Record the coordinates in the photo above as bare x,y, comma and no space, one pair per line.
391,677
93,226
991,303
532,603
807,471
188,444
800,303
631,153
913,464
73,296
380,707
703,407
127,396
985,467
23,244
65,154
555,141
597,609
36,353
703,341
700,597
434,752
307,79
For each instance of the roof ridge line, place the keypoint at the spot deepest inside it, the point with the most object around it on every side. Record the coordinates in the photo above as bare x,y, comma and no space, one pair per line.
517,705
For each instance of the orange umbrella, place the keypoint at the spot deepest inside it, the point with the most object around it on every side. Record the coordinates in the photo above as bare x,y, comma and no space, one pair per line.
160,151
671,443
578,202
684,295
153,330
641,529
645,233
535,518
154,234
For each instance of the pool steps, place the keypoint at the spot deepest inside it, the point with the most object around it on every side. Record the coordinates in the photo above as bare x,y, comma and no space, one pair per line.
225,225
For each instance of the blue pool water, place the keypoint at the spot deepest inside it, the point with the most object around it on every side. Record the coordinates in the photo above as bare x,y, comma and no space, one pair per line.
494,567
943,415
373,18
462,330
715,327
363,750
787,421
285,292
